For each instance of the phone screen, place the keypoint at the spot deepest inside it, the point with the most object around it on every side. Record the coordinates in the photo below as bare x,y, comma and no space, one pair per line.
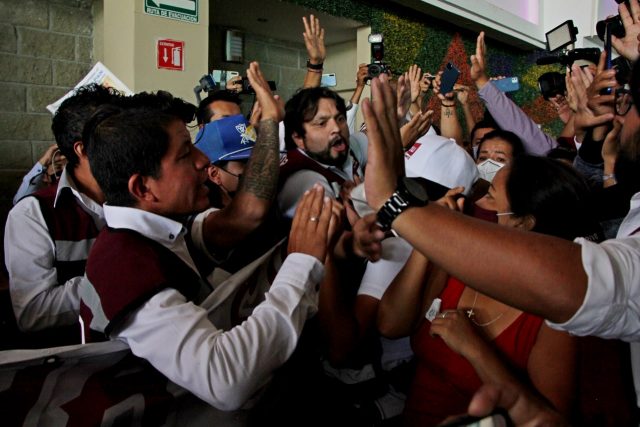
328,80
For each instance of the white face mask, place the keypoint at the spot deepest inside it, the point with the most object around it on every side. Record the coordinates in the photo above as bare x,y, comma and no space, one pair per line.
488,169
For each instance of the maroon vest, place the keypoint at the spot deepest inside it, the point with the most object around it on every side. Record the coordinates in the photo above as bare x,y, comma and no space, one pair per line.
71,228
295,161
126,269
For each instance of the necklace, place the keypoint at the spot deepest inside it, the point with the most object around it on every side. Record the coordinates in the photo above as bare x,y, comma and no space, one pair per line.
472,314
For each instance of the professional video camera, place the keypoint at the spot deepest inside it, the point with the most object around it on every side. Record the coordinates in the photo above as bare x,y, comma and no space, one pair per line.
561,39
377,65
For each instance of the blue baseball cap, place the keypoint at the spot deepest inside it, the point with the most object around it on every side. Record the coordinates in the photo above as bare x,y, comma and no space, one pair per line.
230,138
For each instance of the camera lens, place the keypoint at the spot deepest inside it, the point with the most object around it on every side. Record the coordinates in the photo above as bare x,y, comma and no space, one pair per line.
615,25
374,70
551,84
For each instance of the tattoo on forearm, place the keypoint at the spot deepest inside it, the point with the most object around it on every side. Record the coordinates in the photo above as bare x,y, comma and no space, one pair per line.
448,112
261,173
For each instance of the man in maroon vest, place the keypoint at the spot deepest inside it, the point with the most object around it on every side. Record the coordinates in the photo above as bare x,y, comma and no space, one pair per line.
144,273
319,147
48,235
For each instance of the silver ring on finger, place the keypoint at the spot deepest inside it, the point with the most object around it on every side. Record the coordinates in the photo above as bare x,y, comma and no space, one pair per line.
313,219
443,314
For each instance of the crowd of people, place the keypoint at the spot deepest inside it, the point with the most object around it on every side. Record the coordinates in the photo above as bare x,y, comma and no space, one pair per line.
430,270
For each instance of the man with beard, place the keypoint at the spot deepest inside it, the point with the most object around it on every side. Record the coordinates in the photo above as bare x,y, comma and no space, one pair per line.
319,148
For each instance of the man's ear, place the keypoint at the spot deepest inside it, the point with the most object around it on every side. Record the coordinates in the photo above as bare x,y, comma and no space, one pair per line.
139,189
214,174
297,140
78,148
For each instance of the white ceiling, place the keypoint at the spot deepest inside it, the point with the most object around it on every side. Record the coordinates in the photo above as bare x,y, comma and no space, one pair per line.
278,19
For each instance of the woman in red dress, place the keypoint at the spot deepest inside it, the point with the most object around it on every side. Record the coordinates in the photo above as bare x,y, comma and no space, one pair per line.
464,338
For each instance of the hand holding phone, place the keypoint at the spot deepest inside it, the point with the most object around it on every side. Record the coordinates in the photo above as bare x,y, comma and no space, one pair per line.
507,84
449,78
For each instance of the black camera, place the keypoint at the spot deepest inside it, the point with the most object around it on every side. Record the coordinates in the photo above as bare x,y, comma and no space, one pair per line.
377,65
616,27
551,84
591,54
247,89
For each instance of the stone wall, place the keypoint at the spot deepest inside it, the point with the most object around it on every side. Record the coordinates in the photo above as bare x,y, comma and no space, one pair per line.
45,49
281,61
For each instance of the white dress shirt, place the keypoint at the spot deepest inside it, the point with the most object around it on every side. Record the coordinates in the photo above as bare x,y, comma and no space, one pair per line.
39,301
176,337
611,306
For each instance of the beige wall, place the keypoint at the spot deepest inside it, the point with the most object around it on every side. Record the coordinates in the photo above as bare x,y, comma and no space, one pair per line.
119,22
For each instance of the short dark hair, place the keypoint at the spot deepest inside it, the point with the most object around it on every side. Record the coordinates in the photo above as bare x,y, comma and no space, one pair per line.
70,118
122,142
162,101
204,113
486,123
554,194
511,138
302,107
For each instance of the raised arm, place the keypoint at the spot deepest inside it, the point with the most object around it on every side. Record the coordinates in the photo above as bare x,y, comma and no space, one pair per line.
314,41
449,123
507,114
226,368
539,274
223,229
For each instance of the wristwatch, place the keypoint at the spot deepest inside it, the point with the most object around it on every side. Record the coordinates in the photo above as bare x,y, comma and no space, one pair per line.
410,192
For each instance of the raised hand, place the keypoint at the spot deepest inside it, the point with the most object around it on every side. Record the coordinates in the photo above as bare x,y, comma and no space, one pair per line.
462,93
419,124
314,40
403,96
413,76
361,76
478,68
628,45
385,161
585,117
602,104
269,105
437,82
425,82
310,230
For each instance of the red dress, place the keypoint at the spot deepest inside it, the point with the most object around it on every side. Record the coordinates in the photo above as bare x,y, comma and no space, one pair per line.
445,381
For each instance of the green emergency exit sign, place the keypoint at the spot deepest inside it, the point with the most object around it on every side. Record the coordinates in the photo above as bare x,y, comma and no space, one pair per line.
181,10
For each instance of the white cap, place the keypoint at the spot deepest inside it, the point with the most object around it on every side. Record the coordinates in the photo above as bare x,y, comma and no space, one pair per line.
441,160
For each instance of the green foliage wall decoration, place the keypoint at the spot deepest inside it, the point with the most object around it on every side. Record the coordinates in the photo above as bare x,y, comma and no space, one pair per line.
412,37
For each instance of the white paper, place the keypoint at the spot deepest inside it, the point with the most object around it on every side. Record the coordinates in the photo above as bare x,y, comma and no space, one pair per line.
99,74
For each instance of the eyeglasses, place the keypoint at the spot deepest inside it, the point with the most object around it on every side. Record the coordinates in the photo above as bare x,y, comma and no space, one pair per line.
624,101
239,175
